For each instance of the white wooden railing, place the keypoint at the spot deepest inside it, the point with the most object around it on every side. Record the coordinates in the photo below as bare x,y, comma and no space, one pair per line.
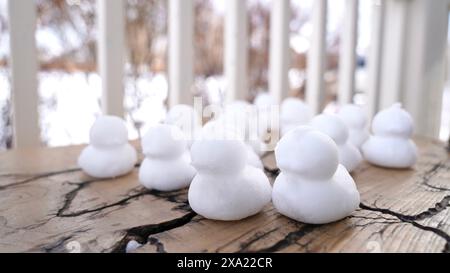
406,61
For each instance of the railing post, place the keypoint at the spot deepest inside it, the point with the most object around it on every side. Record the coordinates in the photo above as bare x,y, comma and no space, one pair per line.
24,67
181,50
425,64
315,89
375,57
236,50
414,60
347,58
394,54
111,54
279,49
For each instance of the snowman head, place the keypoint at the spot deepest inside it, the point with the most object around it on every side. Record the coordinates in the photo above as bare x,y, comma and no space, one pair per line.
332,126
308,153
218,156
393,122
353,116
164,141
108,131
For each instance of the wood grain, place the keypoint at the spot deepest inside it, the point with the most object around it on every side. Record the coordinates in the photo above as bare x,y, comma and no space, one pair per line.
47,203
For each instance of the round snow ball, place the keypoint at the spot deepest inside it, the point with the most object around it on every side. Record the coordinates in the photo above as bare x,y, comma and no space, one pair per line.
353,115
164,141
108,131
393,121
307,152
219,156
332,126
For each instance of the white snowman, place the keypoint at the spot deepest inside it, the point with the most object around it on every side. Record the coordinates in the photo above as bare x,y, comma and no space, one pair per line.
312,186
356,120
166,166
294,112
226,187
391,145
334,127
108,154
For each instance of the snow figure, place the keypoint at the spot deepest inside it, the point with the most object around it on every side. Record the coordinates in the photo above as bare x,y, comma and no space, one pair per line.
334,127
391,145
294,112
226,187
108,154
166,166
312,187
356,120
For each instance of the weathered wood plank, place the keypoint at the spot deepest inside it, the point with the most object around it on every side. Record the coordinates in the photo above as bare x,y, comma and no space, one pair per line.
404,210
49,205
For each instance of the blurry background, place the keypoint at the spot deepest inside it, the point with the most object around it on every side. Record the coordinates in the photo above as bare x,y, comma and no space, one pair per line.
69,85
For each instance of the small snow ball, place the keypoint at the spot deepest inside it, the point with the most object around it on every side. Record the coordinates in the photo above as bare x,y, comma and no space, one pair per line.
108,154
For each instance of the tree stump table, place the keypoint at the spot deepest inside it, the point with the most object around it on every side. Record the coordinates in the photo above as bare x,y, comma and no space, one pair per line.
49,205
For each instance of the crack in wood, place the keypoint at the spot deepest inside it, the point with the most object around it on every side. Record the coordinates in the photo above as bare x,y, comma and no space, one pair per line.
121,202
141,233
173,197
57,245
438,207
429,174
412,220
159,246
289,239
256,237
36,177
70,196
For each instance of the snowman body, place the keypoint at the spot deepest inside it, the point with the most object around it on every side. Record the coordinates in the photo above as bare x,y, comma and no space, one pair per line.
108,154
334,127
312,186
166,166
225,186
391,145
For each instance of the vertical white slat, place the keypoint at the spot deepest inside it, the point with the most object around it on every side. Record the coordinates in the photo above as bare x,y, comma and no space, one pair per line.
111,50
347,58
181,51
279,49
394,54
375,57
315,89
425,64
236,50
24,66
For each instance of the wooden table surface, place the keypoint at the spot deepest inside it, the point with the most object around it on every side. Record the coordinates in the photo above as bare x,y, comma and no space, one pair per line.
48,205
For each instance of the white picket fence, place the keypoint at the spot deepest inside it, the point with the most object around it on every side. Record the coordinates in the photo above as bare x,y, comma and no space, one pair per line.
406,63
